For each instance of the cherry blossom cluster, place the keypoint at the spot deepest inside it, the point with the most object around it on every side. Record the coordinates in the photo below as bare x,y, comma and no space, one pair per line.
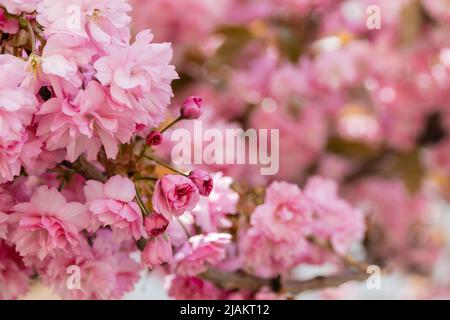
90,199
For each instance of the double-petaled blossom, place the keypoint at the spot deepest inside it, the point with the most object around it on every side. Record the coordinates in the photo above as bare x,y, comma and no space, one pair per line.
174,195
112,204
335,219
17,106
200,252
14,276
192,288
19,6
103,21
83,123
48,225
7,202
286,213
138,76
103,271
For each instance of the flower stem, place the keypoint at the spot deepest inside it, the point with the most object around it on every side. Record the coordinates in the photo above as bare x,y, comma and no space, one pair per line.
27,24
141,203
171,124
162,163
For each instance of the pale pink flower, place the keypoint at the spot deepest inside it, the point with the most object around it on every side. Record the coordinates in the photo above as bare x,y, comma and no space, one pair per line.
83,123
211,213
17,106
334,218
192,288
14,277
438,156
286,213
180,22
174,195
106,271
157,251
112,204
19,6
402,217
48,225
7,202
103,21
271,258
200,252
63,58
139,77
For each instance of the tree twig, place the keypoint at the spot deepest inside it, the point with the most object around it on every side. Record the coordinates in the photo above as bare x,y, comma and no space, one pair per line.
87,170
244,281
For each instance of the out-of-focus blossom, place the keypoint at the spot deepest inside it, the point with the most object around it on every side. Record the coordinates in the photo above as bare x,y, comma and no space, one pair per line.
192,288
211,213
285,215
200,252
335,219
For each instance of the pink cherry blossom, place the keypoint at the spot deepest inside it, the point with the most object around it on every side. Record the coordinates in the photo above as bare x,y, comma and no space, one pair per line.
203,181
104,21
106,271
112,205
7,202
82,124
200,252
335,219
286,213
192,288
47,225
272,258
157,251
17,106
191,108
139,77
211,213
19,6
174,195
156,224
14,276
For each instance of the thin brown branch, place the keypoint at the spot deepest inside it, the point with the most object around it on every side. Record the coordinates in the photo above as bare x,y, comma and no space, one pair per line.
244,281
87,170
